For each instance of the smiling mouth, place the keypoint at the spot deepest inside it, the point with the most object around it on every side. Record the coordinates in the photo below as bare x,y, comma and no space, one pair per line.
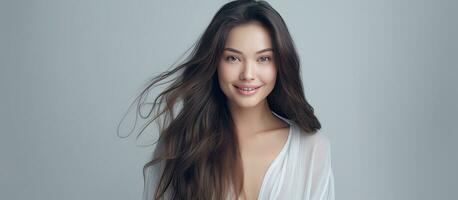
247,91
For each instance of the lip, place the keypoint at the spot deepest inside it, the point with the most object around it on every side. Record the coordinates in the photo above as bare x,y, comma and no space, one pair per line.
246,86
247,93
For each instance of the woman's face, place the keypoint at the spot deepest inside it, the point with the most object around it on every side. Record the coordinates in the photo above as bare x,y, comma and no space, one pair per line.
246,70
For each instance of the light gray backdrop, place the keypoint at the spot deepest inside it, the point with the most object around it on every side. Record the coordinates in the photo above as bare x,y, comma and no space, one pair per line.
381,75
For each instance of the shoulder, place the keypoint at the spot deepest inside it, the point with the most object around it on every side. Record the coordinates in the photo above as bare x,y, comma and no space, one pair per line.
318,138
316,148
317,142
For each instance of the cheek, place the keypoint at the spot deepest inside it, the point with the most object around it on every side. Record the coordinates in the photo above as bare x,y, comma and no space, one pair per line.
226,73
224,77
268,74
221,74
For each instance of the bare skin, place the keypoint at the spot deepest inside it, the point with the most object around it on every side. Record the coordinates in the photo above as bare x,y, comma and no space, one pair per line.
261,135
261,138
258,149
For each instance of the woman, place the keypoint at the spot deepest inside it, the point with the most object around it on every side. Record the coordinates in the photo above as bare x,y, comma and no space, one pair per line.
244,129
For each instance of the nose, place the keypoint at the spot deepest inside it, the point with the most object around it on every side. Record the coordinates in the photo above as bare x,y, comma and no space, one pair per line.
248,71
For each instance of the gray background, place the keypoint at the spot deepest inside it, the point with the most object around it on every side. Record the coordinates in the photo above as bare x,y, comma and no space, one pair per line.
381,75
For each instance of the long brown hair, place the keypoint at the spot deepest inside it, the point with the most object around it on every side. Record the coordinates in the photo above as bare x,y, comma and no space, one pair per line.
197,145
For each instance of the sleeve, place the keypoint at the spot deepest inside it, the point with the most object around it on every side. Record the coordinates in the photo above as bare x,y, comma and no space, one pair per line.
322,175
329,192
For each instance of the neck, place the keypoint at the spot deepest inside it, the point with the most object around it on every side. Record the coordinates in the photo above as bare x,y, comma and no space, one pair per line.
253,120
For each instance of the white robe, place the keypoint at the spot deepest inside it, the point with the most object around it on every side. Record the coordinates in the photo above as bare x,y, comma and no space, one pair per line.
301,171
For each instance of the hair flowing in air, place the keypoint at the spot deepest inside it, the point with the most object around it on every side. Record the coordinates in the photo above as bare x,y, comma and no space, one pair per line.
197,144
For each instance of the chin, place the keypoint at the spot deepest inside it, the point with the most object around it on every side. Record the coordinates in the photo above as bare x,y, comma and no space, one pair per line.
245,103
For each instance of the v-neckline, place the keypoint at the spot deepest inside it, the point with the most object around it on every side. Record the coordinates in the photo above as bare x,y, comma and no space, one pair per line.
275,160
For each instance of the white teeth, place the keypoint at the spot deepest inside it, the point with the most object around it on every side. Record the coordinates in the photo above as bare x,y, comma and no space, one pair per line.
247,89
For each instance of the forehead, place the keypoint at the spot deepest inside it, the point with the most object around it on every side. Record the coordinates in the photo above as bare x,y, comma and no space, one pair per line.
249,38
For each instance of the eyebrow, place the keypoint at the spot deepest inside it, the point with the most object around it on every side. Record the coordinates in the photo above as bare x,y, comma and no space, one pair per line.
237,51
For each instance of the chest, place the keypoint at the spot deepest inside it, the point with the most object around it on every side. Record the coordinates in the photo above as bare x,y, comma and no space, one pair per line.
254,169
257,157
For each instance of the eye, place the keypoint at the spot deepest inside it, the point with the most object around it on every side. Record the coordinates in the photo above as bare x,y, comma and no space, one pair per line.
265,59
231,58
